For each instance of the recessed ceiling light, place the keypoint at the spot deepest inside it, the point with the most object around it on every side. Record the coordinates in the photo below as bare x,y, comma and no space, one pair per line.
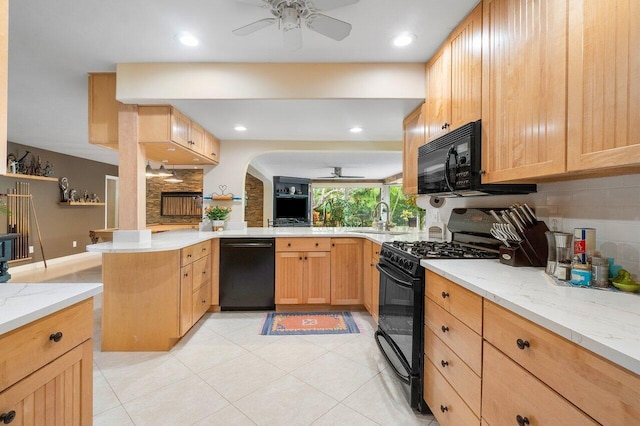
403,39
187,39
240,128
356,129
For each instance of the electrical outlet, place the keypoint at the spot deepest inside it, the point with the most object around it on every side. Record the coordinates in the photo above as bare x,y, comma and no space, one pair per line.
555,223
75,244
30,249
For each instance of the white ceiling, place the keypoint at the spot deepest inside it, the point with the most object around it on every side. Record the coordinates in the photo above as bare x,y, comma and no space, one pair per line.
54,44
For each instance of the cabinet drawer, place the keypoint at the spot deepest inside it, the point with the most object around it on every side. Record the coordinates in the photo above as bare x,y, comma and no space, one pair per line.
303,244
605,391
465,382
447,406
195,252
509,391
460,302
455,334
35,339
201,301
201,271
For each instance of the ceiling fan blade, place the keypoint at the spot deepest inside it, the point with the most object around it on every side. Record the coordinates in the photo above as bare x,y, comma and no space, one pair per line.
329,4
351,177
259,3
254,26
327,26
292,38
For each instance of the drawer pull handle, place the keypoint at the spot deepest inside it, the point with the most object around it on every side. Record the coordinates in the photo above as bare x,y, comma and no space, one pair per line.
522,344
56,337
445,328
445,294
522,420
444,363
7,418
443,408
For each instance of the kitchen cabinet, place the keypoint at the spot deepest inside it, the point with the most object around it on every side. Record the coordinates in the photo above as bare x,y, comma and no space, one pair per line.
413,137
46,369
211,148
303,277
103,110
454,79
603,84
195,284
371,278
604,391
524,86
346,271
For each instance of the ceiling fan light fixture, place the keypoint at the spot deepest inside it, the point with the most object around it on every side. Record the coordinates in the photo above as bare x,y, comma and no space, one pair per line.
187,39
403,39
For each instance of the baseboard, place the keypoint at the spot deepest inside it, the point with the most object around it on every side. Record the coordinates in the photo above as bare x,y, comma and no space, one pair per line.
57,260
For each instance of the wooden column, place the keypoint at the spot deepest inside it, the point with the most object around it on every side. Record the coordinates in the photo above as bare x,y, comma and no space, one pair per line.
132,182
4,53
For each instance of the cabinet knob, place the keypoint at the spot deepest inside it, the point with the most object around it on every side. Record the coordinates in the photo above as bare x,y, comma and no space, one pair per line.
522,420
7,418
444,363
317,244
300,258
522,344
186,274
189,256
56,337
443,408
204,301
333,245
288,244
204,249
445,126
214,154
305,258
445,294
444,328
204,272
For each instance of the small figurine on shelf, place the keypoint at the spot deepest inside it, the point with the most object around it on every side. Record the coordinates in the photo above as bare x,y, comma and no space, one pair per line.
63,183
48,169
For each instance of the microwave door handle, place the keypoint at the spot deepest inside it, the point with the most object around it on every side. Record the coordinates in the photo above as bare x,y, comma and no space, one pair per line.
452,151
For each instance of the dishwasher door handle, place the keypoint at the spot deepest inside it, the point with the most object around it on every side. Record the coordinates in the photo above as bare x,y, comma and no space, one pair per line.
248,245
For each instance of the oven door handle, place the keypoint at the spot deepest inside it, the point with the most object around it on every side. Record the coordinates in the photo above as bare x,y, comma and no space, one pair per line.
398,354
395,278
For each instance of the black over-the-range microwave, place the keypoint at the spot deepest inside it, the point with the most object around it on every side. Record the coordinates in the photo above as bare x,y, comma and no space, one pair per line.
451,166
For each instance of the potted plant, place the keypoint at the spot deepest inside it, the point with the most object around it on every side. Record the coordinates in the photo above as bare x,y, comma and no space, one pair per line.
217,215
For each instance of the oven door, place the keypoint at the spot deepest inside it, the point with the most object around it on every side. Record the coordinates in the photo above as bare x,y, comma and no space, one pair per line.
399,306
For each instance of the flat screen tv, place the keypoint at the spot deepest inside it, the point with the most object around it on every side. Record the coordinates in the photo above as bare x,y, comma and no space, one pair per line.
291,208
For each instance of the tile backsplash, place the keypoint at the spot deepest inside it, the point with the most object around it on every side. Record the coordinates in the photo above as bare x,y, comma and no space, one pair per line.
611,205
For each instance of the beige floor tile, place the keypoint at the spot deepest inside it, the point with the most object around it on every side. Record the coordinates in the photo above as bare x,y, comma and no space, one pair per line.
287,401
250,338
329,341
227,416
182,403
365,351
239,377
104,399
115,416
203,349
229,322
290,353
342,415
334,375
381,399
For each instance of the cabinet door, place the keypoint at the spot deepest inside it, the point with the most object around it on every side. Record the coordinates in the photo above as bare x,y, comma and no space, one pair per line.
60,393
289,278
201,301
523,89
346,271
180,127
103,110
375,291
466,70
317,288
413,136
603,84
196,137
438,120
366,277
211,147
186,298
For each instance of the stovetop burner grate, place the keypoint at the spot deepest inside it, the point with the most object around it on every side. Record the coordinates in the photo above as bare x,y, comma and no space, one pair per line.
443,250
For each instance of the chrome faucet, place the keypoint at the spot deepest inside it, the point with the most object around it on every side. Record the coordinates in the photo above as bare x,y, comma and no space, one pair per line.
382,226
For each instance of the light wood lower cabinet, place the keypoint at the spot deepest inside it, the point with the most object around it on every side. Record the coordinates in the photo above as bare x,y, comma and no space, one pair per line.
346,271
49,382
303,277
371,278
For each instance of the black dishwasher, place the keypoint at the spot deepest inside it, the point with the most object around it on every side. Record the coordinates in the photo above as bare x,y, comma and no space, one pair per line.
247,274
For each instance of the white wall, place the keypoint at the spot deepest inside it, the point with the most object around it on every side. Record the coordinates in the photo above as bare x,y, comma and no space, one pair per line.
610,205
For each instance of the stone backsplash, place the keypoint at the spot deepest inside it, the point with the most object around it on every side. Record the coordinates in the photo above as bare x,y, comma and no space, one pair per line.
192,182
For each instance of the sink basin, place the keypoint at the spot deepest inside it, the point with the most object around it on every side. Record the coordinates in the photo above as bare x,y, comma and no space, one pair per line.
378,231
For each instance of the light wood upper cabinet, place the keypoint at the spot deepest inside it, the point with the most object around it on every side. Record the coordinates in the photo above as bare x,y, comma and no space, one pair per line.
196,137
103,110
603,84
438,118
413,136
346,271
524,69
211,148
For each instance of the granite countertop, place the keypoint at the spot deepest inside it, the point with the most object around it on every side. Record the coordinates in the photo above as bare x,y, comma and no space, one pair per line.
174,240
21,304
605,322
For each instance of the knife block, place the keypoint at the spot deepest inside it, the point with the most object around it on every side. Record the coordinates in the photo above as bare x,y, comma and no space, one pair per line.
532,250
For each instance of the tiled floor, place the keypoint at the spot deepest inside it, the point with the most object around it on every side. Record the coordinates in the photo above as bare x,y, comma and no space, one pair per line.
224,373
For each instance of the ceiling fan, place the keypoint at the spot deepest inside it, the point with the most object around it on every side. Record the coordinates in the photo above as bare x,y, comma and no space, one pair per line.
290,13
337,174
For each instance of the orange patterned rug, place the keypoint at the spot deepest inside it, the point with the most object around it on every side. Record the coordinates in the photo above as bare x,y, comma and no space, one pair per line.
292,323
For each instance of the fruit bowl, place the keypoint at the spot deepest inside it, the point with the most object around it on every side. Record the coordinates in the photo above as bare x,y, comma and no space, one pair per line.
627,287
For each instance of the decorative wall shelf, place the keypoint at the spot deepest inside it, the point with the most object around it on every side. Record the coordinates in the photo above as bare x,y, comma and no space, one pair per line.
78,204
30,177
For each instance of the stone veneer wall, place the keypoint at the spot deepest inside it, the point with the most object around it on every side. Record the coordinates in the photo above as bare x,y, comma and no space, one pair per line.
155,186
253,213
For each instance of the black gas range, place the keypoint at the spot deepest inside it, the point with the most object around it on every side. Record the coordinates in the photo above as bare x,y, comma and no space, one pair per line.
401,304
